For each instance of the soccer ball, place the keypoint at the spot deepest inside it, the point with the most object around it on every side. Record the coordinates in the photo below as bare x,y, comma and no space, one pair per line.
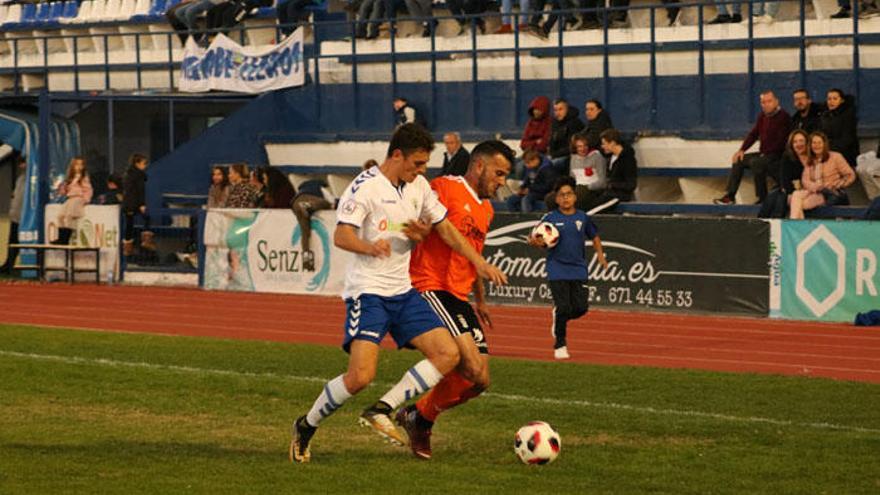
537,443
546,231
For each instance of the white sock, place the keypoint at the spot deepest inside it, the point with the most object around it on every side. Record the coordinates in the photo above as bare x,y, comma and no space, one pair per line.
332,397
416,381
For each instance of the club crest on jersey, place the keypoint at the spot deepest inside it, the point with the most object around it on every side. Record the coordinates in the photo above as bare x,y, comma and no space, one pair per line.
349,207
579,224
467,208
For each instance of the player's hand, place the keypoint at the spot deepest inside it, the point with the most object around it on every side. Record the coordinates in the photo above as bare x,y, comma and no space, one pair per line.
603,261
417,230
491,273
536,241
483,315
380,249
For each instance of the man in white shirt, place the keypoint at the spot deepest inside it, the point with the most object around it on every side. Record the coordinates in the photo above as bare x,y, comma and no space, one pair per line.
373,221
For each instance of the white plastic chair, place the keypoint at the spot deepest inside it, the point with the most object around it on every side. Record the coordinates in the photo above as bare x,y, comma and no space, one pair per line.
97,13
4,9
83,14
143,7
126,9
14,13
111,10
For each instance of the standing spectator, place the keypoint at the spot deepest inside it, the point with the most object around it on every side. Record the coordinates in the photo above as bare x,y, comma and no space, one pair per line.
771,129
292,13
77,189
597,121
279,191
536,135
622,178
134,202
15,213
257,182
807,115
564,126
113,195
241,194
724,13
541,175
795,158
567,268
219,190
839,123
404,113
824,180
506,18
868,170
456,159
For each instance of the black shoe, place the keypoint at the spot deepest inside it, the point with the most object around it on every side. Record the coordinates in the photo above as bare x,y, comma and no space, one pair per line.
843,13
724,200
299,445
720,19
538,31
736,18
308,258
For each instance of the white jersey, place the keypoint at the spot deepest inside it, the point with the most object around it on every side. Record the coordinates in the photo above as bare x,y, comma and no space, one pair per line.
380,210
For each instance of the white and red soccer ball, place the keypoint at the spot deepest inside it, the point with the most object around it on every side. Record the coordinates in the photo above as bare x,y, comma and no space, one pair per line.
537,443
547,232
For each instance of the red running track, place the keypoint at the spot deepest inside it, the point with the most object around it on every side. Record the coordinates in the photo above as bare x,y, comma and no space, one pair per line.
715,343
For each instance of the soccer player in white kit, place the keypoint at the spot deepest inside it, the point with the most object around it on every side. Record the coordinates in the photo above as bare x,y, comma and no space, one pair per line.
372,221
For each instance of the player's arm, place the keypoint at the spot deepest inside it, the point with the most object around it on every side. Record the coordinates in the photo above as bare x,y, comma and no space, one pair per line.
417,230
480,303
597,246
346,237
453,238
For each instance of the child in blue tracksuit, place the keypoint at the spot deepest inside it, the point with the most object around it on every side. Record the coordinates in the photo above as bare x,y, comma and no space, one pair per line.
540,175
567,261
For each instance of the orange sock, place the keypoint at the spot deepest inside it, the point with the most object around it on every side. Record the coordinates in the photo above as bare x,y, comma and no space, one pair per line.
452,390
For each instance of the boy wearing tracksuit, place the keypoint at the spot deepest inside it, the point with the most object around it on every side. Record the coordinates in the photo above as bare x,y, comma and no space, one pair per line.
567,261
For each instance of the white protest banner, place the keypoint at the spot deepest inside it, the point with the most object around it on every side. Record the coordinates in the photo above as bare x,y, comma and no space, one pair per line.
98,228
227,66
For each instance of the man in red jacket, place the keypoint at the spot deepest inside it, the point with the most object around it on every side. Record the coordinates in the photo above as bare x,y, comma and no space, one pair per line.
537,133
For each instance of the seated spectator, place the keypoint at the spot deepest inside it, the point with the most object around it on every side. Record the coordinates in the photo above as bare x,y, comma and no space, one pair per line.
404,113
724,13
227,15
541,175
423,12
839,123
765,12
866,10
771,129
113,195
543,31
597,121
176,23
370,16
279,191
241,194
794,159
456,159
310,199
622,177
536,135
219,190
76,189
257,182
460,8
587,167
807,115
292,14
506,18
868,170
825,179
563,128
188,15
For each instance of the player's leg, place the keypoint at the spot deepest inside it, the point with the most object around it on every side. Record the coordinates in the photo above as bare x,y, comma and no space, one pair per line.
366,324
559,290
579,295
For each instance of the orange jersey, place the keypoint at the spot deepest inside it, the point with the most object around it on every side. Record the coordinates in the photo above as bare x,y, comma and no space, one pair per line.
434,265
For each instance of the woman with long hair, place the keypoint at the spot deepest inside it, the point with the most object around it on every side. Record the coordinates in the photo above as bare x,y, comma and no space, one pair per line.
791,166
279,191
241,194
824,180
77,189
219,190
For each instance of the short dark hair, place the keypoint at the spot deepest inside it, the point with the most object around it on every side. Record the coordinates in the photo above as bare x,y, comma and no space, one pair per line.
594,102
400,98
410,138
838,91
611,135
801,90
115,179
530,155
566,180
488,149
136,158
560,100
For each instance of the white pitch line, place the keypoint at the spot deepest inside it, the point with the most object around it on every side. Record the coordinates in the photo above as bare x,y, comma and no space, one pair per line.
492,395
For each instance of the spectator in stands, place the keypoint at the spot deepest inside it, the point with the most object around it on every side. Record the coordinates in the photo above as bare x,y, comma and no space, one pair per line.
672,12
279,191
189,14
228,15
219,190
422,11
598,121
807,115
765,12
619,18
456,159
868,170
257,182
506,18
564,126
824,179
310,199
404,113
76,188
370,14
590,18
771,129
177,24
15,205
724,13
622,176
540,177
587,166
113,195
134,202
839,123
460,8
794,159
866,10
241,194
543,31
292,13
536,135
